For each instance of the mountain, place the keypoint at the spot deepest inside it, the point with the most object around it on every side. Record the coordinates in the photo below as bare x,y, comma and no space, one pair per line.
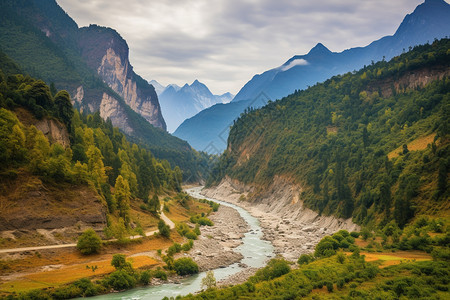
105,51
92,64
180,103
370,145
429,21
159,88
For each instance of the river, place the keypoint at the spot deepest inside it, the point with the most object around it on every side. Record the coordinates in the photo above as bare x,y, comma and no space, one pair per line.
255,251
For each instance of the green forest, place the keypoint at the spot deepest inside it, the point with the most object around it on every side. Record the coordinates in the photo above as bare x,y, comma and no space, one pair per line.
338,140
99,155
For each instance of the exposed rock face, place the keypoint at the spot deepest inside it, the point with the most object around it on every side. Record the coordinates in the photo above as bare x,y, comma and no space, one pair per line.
292,228
111,108
53,130
107,52
411,80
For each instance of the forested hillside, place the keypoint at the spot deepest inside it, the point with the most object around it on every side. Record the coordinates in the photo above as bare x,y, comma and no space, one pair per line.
47,44
372,145
78,153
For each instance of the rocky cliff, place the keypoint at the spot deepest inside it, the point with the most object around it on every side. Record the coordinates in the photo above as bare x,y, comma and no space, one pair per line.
53,130
106,52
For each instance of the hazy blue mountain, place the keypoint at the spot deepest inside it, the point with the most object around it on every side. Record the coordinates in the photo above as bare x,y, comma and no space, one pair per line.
214,124
159,88
429,21
180,103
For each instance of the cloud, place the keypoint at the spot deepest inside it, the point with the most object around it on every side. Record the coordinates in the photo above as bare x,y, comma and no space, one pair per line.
295,62
223,43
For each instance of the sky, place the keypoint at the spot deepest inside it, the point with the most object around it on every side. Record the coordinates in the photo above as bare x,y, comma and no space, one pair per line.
224,43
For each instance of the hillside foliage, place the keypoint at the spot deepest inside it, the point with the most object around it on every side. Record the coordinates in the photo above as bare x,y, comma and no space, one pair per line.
99,155
334,138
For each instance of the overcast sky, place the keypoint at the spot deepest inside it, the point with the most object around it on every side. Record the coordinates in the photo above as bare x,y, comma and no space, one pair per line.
223,43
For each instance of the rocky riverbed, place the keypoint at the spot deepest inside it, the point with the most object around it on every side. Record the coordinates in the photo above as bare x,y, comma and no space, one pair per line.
214,247
292,228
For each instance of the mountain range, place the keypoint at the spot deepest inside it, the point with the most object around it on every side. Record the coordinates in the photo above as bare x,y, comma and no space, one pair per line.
429,21
179,103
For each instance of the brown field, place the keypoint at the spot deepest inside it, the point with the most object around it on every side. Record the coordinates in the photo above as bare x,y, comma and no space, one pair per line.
66,274
418,144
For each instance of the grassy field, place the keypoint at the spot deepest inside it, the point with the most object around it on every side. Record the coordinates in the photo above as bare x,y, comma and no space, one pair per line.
418,144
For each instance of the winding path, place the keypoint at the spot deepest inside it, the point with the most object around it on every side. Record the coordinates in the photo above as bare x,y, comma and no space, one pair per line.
24,249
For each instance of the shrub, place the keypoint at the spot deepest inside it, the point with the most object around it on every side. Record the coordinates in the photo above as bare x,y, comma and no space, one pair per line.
326,247
276,267
365,234
119,261
191,235
175,248
164,229
182,229
441,254
340,283
337,237
354,234
89,242
185,266
197,230
145,277
187,246
343,232
160,274
305,259
121,280
341,257
329,286
201,220
344,244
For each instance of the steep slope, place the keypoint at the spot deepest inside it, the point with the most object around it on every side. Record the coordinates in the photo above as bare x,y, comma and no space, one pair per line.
47,44
333,140
58,169
429,21
106,51
179,104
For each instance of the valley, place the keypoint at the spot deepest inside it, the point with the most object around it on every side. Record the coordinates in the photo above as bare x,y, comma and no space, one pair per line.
326,177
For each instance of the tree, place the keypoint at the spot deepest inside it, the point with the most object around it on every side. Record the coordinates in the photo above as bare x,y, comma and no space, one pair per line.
96,167
64,109
164,229
122,197
209,281
119,261
41,94
89,242
153,204
185,266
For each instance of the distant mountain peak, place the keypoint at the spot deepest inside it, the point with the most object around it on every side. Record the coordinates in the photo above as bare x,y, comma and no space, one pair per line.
319,49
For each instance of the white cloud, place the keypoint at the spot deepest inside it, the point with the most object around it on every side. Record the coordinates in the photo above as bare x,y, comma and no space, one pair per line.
295,62
223,43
